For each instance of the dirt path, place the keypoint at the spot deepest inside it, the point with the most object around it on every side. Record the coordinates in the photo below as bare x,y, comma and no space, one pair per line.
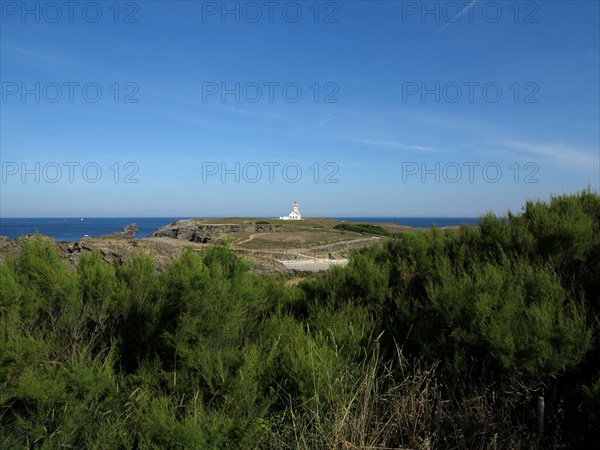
307,247
307,265
246,240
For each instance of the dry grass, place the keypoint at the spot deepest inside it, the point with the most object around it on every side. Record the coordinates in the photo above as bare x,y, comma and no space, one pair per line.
376,412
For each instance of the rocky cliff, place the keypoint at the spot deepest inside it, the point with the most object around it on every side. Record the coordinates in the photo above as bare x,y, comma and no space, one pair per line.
194,230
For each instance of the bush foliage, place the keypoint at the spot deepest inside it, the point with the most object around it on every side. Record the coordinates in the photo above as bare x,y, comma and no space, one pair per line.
429,340
363,228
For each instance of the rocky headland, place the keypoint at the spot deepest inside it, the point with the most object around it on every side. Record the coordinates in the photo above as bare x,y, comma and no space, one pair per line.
271,246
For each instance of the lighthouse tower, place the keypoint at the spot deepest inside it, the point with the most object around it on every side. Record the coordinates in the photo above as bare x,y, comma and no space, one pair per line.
294,215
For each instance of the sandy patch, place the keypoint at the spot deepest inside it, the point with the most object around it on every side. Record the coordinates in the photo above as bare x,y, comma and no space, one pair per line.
309,265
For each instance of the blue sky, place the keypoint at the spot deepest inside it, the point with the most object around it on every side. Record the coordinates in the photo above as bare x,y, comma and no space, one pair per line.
407,108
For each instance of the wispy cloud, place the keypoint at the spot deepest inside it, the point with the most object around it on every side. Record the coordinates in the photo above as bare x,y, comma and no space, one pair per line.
194,101
179,116
457,17
561,154
40,57
399,145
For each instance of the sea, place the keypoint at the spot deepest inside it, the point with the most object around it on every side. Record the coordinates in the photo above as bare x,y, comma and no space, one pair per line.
75,228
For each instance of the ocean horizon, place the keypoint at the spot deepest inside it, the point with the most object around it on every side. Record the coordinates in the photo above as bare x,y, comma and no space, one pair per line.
75,228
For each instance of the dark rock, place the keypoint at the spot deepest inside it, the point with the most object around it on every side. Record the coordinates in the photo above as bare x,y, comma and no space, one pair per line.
197,231
128,232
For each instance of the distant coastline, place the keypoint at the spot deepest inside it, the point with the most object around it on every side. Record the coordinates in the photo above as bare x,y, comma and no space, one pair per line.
73,228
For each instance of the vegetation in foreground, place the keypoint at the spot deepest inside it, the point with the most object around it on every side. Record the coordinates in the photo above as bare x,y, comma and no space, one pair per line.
430,340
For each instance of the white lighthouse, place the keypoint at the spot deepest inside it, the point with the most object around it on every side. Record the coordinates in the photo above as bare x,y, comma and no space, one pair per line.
294,215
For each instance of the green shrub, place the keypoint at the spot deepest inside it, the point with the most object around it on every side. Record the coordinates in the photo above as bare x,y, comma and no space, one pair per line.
424,340
363,228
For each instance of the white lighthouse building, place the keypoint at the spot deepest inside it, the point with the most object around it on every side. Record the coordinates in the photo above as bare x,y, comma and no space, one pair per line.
294,215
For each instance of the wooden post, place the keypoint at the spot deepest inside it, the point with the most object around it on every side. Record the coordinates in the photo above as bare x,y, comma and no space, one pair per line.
540,415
